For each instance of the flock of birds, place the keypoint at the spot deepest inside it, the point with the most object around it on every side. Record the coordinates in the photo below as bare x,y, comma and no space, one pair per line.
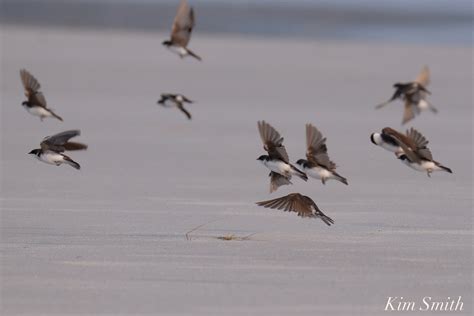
410,148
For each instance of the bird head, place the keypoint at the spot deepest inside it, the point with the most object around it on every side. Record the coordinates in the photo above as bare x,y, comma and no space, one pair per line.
166,43
402,157
376,138
398,85
263,158
301,162
35,152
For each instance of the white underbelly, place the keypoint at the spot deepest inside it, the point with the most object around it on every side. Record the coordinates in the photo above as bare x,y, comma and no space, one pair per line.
51,158
318,173
278,167
429,165
424,166
423,104
390,147
178,50
38,111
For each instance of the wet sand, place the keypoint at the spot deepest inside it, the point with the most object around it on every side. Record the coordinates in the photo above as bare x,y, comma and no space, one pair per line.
110,238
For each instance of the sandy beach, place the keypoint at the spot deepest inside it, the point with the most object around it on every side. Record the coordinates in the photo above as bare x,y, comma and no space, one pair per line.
110,239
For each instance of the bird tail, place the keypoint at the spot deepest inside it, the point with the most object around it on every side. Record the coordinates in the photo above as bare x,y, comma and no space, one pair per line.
190,52
445,168
432,108
381,105
326,219
340,178
71,162
299,173
56,116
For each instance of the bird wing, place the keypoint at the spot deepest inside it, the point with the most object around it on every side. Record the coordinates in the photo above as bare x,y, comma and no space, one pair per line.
423,77
30,83
409,111
70,146
32,86
398,92
58,141
316,148
420,143
293,202
406,143
181,107
39,99
277,180
183,24
272,141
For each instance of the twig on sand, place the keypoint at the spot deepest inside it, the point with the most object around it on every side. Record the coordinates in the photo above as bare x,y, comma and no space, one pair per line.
225,237
233,237
197,227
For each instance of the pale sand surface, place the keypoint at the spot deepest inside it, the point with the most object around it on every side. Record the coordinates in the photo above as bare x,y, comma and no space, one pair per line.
109,239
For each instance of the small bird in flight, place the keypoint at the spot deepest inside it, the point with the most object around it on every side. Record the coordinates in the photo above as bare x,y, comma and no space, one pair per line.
52,148
386,140
277,159
183,25
301,204
35,103
318,165
410,148
414,95
177,100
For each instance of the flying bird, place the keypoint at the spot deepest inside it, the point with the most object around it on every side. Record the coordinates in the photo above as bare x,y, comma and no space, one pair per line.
386,140
410,148
52,148
414,95
277,159
177,100
301,204
183,25
36,102
417,155
317,164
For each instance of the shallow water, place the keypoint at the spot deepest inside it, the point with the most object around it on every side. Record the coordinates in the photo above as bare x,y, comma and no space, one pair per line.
422,22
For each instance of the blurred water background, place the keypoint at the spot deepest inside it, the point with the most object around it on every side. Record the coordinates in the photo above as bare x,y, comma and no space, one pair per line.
420,21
